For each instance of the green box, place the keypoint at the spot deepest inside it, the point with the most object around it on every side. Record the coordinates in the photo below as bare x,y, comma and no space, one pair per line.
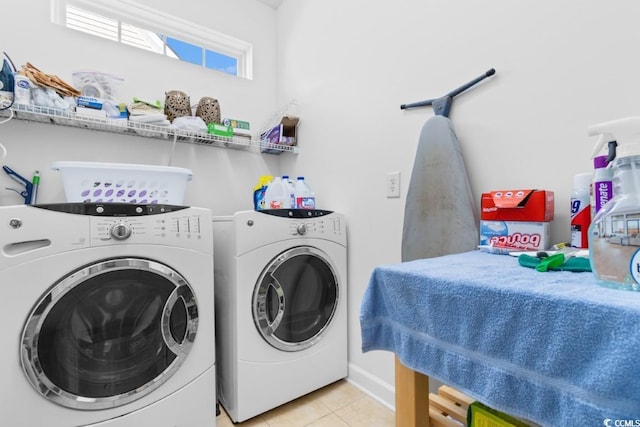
236,124
480,415
219,129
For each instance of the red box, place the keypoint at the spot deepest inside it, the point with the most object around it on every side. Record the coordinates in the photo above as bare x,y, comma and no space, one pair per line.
518,205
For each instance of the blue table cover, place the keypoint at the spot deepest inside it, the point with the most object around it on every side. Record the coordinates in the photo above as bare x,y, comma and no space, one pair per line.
554,348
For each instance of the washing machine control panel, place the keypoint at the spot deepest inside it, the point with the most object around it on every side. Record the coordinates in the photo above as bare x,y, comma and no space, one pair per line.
316,227
148,229
120,231
301,229
183,228
111,209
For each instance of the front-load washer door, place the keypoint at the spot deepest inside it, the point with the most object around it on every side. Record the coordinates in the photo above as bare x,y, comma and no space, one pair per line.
109,333
295,298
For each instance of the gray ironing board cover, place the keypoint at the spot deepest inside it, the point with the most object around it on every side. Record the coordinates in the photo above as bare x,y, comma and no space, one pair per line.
440,216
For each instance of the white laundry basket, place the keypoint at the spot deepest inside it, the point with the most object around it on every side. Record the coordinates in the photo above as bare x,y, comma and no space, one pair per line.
123,182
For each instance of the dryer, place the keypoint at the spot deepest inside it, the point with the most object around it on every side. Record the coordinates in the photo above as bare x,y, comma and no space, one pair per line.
108,316
281,306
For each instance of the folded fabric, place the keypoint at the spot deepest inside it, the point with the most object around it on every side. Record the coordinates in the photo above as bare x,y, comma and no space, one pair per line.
142,107
148,118
575,264
556,349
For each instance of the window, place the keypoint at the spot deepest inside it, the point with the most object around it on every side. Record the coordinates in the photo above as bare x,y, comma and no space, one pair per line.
129,23
617,224
633,224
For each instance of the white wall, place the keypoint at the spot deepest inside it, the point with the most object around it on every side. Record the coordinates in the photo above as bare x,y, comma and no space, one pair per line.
561,66
223,179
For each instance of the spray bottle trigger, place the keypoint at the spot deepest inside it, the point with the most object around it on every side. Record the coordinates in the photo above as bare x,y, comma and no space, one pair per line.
598,145
611,151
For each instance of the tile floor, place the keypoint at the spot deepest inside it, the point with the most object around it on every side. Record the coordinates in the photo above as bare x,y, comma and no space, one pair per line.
340,404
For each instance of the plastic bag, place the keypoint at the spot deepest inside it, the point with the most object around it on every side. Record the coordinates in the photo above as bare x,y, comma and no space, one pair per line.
49,98
97,85
190,123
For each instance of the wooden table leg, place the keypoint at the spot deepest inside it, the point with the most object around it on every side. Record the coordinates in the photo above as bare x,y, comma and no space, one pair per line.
412,397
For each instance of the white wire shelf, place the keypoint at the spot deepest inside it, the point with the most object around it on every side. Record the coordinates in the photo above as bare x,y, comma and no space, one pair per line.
124,126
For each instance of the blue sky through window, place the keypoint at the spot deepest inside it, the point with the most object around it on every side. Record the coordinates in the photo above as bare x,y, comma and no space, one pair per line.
88,21
193,54
220,62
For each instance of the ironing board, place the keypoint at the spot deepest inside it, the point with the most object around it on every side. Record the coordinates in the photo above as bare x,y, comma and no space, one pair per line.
553,348
440,216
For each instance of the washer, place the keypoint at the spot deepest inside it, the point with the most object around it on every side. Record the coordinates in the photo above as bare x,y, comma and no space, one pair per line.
108,316
281,306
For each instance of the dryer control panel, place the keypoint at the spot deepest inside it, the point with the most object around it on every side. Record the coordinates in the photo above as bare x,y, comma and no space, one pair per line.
308,222
249,230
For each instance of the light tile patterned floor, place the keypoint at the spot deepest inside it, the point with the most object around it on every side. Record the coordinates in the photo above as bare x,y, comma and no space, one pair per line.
338,405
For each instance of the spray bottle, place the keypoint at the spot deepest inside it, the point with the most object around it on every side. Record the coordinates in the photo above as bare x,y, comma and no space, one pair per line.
614,235
602,185
581,210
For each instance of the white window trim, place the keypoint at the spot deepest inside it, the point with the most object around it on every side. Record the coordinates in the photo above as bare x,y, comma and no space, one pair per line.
154,20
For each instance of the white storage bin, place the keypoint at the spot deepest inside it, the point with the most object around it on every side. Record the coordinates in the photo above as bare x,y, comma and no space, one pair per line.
123,182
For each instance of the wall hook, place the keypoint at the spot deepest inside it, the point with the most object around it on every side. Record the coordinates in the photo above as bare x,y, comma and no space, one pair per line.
442,106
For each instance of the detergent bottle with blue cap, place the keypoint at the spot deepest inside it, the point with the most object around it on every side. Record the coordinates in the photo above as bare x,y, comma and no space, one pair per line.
259,192
614,234
305,197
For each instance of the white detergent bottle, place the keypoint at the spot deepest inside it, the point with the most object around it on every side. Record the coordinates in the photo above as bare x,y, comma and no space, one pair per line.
305,198
614,235
276,196
288,184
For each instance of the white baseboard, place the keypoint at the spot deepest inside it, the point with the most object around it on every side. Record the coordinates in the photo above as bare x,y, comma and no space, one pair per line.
378,389
373,386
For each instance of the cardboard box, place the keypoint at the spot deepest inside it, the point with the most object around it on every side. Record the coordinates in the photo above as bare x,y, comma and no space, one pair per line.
518,205
91,112
89,102
516,235
239,127
282,134
236,124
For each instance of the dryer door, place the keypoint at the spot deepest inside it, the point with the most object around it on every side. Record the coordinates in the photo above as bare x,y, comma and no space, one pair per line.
295,298
109,333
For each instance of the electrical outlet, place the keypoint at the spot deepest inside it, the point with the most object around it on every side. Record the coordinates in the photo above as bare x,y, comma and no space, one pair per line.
393,184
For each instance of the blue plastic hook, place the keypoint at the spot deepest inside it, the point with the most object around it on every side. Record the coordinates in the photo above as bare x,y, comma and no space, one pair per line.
28,186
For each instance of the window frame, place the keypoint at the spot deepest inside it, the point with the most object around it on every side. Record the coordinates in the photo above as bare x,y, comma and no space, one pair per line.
147,18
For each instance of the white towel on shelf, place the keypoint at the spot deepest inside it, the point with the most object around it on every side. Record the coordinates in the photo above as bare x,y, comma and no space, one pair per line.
151,119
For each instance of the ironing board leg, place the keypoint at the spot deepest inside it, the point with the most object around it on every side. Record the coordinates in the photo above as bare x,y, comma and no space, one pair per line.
412,397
